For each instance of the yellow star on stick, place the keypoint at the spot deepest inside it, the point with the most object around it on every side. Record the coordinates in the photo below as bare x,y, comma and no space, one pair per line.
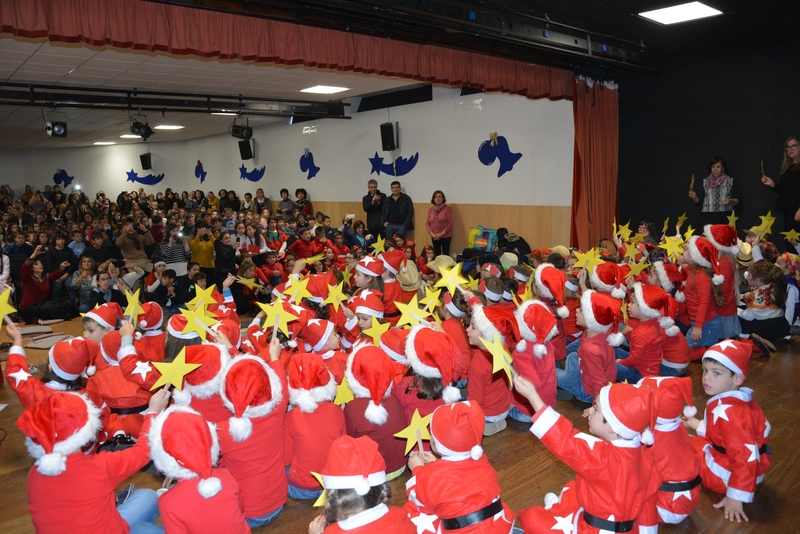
298,290
174,372
249,282
624,310
631,251
624,231
277,316
673,246
451,278
379,246
322,500
473,284
343,393
688,233
412,314
315,258
335,296
666,226
614,226
637,268
203,297
501,359
197,321
133,309
5,306
681,219
418,425
376,331
791,234
637,238
732,218
347,276
431,299
437,318
589,260
691,184
765,228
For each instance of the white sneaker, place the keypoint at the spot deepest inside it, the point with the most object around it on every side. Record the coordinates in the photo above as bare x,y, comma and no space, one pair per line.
550,500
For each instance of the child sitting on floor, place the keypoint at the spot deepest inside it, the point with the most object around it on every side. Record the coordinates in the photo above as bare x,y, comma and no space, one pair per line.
763,320
644,359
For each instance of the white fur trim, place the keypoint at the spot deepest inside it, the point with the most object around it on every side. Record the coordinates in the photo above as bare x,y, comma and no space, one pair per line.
483,324
647,437
588,313
539,350
476,452
375,413
663,278
180,335
356,482
680,296
181,397
323,339
522,345
694,253
599,284
537,278
617,425
209,487
652,313
666,323
718,279
733,249
618,293
241,428
672,331
413,359
615,340
208,389
52,464
689,411
524,330
562,311
91,370
451,394
165,462
308,399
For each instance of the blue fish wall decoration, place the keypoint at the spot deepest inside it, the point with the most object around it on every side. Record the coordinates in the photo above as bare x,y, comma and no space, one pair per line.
402,166
307,164
496,147
62,178
150,179
254,175
199,172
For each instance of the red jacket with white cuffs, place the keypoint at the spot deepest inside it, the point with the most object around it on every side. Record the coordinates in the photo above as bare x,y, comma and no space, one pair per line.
676,461
597,363
308,440
646,353
491,391
541,371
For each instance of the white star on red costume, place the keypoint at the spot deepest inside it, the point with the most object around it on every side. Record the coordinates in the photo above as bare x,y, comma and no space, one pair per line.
564,524
424,523
142,368
719,411
365,293
755,455
590,440
20,376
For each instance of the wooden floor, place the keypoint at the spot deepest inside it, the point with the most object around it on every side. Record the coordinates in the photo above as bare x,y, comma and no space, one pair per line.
527,469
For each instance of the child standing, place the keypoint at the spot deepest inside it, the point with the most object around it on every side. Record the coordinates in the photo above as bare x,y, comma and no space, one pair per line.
724,237
733,437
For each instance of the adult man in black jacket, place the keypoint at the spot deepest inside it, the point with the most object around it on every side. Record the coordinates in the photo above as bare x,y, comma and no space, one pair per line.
373,204
397,214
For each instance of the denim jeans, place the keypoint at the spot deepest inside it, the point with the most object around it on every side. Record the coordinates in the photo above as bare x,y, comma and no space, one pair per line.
569,378
264,519
392,229
140,511
83,308
711,330
299,494
666,370
517,415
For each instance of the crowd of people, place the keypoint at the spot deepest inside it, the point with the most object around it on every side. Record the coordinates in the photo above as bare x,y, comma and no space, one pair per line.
616,331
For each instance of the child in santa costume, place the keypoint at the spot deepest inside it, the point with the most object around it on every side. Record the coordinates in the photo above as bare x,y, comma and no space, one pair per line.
70,491
648,307
594,365
673,453
312,425
205,499
615,480
393,343
726,239
733,437
452,312
534,356
492,391
393,262
375,412
354,477
677,354
362,310
460,491
201,386
150,343
430,357
319,337
255,393
549,283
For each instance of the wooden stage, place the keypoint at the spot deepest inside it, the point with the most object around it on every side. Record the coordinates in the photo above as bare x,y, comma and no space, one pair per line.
527,469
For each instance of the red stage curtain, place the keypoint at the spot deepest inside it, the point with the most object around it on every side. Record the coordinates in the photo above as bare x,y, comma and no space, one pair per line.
595,110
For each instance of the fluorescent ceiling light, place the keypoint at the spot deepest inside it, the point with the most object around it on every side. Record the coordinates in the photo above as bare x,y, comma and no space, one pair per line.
130,136
168,127
324,89
681,13
225,113
103,143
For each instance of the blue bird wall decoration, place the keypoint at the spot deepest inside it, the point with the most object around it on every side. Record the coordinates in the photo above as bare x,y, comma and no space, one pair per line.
496,147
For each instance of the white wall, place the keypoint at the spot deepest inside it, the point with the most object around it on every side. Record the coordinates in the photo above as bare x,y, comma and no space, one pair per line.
446,132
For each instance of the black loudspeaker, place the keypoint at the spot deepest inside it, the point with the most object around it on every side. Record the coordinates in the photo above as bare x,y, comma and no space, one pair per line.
147,163
387,136
245,150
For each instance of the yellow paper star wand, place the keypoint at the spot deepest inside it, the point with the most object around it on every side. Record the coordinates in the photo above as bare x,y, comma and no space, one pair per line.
765,228
673,246
379,246
666,226
203,297
732,218
614,225
249,282
637,238
501,359
411,313
343,393
624,310
347,276
376,331
298,291
688,233
451,279
681,219
431,299
637,268
624,231
197,321
474,283
277,317
315,258
133,309
419,425
631,252
322,500
791,234
691,184
589,260
174,372
5,306
335,295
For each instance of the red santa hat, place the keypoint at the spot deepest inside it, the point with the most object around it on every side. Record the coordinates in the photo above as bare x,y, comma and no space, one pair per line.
111,348
601,313
153,316
704,254
224,312
316,333
536,324
354,464
370,266
452,308
370,375
106,315
204,382
310,382
393,343
393,260
69,358
457,430
550,282
629,410
674,396
184,445
318,287
608,277
492,269
230,328
175,327
668,275
367,302
494,320
734,355
249,388
58,426
724,237
432,354
653,303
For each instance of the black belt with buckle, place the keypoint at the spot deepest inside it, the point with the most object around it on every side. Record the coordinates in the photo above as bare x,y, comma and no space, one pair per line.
605,524
681,486
129,411
764,449
474,518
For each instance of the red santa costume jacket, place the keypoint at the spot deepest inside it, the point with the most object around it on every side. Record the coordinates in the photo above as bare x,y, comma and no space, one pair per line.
455,329
392,292
614,480
678,468
541,371
560,341
490,390
185,511
308,440
151,345
734,454
391,448
451,487
645,343
382,518
597,363
410,402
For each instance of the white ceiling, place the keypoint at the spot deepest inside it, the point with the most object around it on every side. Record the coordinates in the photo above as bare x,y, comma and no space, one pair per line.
41,62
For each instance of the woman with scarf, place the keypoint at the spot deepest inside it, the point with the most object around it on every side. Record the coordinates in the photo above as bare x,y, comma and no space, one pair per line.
719,196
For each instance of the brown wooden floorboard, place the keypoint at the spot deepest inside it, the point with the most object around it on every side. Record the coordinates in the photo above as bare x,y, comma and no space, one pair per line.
526,468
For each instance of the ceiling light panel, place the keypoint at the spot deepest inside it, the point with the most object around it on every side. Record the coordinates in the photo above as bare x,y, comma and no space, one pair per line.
681,13
324,89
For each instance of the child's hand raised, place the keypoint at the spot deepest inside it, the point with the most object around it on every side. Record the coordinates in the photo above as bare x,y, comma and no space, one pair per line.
274,349
733,509
159,401
13,332
126,329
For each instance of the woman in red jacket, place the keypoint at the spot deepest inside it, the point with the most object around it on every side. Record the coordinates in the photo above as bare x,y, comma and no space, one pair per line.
36,289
